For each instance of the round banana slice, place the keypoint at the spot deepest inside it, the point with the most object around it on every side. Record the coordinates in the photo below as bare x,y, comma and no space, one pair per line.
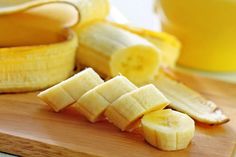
69,91
167,129
131,106
93,103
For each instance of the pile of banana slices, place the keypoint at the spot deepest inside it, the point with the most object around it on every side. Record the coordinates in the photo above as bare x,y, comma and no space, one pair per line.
122,103
44,42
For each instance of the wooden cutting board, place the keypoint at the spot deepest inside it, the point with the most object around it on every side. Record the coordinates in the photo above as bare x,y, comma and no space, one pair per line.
28,127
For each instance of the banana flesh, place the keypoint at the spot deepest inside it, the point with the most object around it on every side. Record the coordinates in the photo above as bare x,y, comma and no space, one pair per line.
69,91
168,44
93,103
131,106
168,130
111,51
190,102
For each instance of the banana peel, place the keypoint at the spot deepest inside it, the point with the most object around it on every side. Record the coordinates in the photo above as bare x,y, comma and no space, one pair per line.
188,101
37,48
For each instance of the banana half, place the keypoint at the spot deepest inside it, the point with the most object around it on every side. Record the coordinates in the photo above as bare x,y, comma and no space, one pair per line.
111,51
168,130
169,45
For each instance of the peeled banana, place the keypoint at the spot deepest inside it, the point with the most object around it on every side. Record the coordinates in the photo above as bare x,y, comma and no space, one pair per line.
69,91
111,51
93,103
128,108
190,102
167,129
168,44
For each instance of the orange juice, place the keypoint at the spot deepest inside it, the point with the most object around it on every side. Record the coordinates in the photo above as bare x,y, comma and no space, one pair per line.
207,30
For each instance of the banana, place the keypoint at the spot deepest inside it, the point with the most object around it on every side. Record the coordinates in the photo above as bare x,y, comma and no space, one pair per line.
111,50
93,103
190,102
167,43
29,68
56,97
69,91
36,48
168,130
128,108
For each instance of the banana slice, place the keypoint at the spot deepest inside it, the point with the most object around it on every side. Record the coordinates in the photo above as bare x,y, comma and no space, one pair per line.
111,50
69,91
82,82
93,103
56,97
131,106
190,102
168,130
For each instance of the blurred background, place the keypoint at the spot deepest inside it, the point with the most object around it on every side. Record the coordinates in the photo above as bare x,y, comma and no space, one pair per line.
144,15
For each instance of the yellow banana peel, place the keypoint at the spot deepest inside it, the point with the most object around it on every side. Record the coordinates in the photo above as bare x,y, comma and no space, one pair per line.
37,50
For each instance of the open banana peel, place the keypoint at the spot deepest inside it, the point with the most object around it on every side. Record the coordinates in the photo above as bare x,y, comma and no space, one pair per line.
37,47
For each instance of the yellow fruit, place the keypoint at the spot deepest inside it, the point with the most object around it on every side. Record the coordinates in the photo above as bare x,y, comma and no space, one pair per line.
93,103
131,106
69,91
168,130
29,68
111,50
168,44
36,48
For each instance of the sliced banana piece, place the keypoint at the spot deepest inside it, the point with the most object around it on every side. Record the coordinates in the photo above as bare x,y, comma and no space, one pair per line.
56,97
167,129
93,103
188,101
111,50
82,82
69,91
131,106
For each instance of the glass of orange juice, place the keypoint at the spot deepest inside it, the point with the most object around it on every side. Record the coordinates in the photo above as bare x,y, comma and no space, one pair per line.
207,30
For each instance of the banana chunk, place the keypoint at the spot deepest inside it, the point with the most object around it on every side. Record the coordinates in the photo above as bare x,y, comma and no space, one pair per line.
69,91
56,97
168,130
82,82
111,50
131,106
93,103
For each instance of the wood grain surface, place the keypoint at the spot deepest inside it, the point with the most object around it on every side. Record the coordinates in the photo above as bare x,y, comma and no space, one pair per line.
28,127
